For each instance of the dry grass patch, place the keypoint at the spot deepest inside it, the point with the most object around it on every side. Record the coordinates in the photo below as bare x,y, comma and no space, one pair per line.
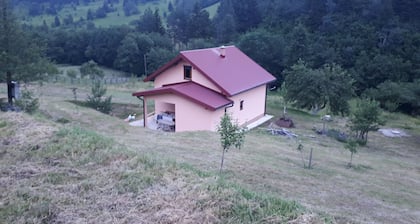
383,186
78,176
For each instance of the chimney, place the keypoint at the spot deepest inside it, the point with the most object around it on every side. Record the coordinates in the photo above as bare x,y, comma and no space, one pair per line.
222,51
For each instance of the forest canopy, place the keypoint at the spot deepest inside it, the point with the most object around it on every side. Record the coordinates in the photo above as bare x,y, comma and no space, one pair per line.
376,42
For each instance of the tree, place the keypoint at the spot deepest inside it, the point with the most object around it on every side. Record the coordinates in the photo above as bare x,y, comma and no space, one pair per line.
103,44
157,57
57,22
71,73
90,15
224,21
316,10
230,135
300,148
199,24
21,57
266,48
338,88
375,69
68,20
130,54
150,22
351,145
365,117
100,13
91,69
27,102
97,100
177,24
170,6
401,96
247,15
283,94
314,89
130,7
298,46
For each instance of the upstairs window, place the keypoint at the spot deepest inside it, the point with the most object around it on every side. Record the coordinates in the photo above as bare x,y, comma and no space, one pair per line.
187,72
241,105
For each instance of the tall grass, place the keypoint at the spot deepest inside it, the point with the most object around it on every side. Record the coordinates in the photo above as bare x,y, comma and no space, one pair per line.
252,207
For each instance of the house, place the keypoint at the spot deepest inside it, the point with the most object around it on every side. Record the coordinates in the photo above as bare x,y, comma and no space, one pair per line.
193,90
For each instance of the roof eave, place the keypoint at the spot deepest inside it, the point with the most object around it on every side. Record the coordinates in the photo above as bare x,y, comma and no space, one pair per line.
174,91
256,86
207,106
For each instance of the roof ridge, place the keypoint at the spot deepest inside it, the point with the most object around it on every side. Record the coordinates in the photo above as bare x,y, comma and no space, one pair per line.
204,49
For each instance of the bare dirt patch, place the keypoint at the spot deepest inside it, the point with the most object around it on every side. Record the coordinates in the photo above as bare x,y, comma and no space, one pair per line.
393,132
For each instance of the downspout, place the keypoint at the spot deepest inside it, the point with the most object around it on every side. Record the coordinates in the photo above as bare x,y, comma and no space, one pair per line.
265,100
144,114
9,88
228,106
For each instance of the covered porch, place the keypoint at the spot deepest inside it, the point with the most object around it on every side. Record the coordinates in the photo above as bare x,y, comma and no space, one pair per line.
184,106
162,118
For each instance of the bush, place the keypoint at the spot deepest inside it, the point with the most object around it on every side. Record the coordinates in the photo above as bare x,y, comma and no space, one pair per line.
27,103
91,69
402,96
97,100
337,135
72,73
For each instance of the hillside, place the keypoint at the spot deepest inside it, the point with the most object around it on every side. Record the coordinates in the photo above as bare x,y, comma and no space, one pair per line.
101,13
55,173
73,162
67,163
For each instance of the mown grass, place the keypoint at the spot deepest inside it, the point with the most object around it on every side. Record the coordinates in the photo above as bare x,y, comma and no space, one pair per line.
267,166
77,164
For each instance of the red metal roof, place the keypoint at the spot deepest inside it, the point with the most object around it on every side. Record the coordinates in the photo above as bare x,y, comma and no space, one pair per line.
192,91
234,73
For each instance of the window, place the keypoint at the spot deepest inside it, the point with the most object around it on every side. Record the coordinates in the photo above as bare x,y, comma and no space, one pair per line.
187,72
241,105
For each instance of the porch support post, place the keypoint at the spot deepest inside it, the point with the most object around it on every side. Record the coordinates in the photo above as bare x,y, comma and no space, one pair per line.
145,112
144,100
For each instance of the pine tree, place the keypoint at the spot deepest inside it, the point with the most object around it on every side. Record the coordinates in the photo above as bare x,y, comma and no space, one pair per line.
20,57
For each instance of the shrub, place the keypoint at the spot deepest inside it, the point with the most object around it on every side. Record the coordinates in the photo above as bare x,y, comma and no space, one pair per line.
337,135
366,117
97,100
91,69
71,73
27,102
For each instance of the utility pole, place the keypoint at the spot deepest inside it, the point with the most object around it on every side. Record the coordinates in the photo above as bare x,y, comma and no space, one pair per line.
145,64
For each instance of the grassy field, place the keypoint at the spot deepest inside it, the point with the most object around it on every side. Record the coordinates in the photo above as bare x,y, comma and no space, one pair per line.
113,18
97,168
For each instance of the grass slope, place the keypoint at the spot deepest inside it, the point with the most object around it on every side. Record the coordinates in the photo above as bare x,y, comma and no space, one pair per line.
113,18
71,175
383,187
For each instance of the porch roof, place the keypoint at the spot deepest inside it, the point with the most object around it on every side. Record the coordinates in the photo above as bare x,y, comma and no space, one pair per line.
192,91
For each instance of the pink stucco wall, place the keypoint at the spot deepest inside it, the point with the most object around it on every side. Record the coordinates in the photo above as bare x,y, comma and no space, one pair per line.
253,106
175,74
163,106
188,115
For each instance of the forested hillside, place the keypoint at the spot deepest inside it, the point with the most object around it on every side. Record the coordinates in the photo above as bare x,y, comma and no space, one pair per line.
375,42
